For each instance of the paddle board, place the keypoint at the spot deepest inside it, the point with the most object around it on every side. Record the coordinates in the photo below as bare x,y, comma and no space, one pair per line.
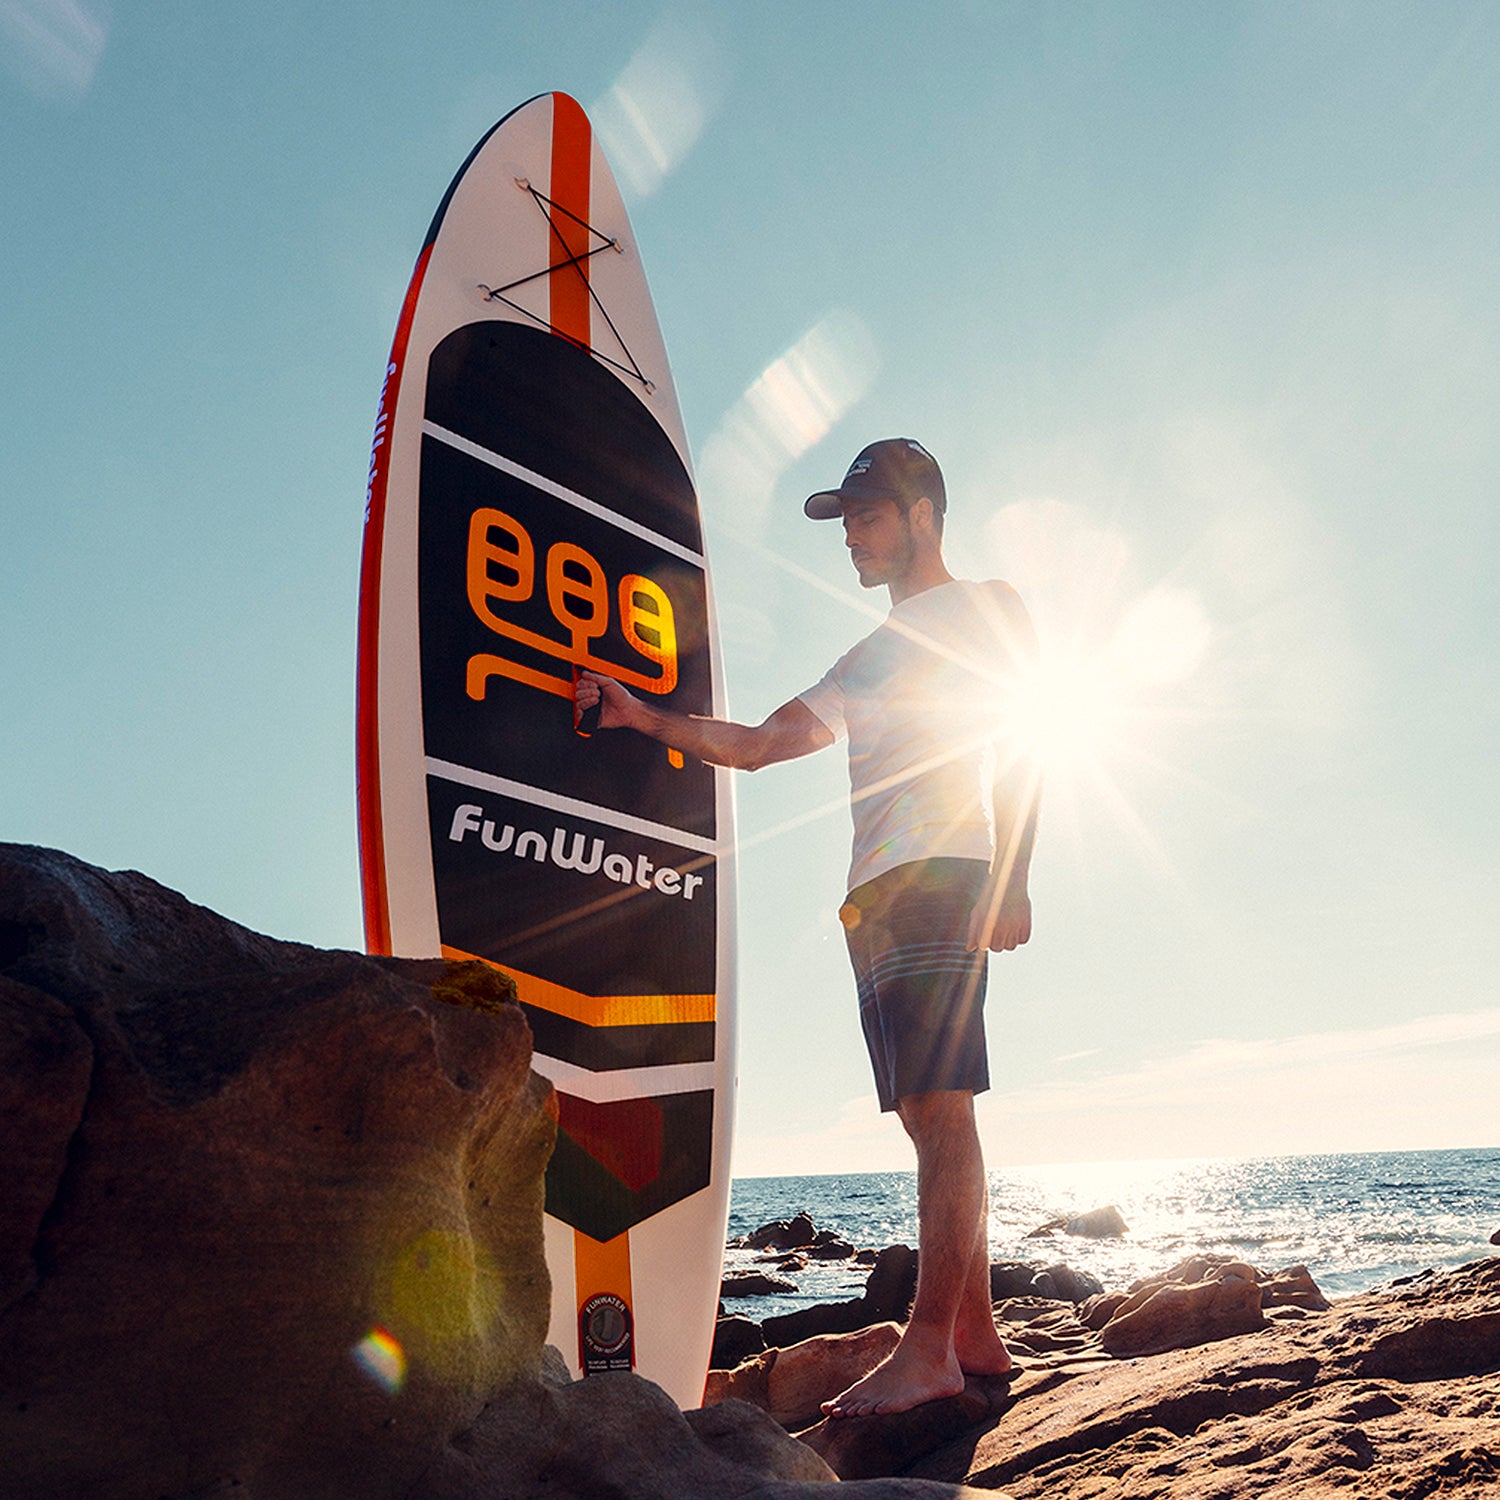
531,513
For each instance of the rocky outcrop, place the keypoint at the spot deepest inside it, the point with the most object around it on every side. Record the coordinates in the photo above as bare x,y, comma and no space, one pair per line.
1391,1394
279,1214
271,1227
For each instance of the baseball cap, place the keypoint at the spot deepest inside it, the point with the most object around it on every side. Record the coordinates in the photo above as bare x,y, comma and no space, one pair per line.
898,469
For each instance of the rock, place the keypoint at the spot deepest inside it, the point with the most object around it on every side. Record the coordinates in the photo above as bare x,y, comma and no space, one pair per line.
1068,1284
1388,1395
750,1380
1174,1316
783,1234
816,1370
786,1329
253,1192
1495,1238
788,1260
830,1246
1097,1224
621,1436
882,1489
1010,1278
1292,1287
865,1447
1096,1311
735,1340
272,1227
892,1284
754,1284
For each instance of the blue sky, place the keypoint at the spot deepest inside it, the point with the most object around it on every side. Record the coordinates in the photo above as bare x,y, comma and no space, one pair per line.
1197,306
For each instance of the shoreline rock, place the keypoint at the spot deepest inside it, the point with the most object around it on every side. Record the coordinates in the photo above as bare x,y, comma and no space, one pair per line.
272,1226
1393,1392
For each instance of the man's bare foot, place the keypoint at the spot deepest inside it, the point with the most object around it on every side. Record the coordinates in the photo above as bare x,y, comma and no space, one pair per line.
908,1378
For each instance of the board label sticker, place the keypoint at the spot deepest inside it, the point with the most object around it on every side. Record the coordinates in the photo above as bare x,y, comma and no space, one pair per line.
606,1337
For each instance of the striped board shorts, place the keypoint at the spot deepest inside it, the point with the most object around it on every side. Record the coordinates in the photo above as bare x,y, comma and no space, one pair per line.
921,992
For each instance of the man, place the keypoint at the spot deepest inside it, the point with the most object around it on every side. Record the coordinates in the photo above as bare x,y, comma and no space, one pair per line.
944,809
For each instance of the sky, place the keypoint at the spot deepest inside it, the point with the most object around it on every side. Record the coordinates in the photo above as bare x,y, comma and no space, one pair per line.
1198,308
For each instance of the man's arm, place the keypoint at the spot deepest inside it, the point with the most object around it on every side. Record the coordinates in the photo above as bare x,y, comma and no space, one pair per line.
1001,919
793,730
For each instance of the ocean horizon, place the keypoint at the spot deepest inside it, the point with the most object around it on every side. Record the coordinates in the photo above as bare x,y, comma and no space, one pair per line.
1356,1220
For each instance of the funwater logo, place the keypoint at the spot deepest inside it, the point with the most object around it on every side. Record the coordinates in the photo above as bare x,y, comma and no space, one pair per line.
579,598
571,850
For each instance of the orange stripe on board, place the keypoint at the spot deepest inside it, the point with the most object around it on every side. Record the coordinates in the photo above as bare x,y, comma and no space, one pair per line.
367,679
600,1010
601,1268
572,164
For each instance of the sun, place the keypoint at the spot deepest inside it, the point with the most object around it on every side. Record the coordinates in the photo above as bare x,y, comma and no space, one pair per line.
1067,710
1087,701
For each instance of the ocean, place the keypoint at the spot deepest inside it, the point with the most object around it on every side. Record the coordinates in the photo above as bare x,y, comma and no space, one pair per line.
1356,1221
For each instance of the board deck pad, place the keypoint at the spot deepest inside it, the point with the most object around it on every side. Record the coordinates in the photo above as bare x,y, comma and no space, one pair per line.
532,514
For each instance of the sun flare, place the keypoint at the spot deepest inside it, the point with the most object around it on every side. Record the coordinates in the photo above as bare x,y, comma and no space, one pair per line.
1083,703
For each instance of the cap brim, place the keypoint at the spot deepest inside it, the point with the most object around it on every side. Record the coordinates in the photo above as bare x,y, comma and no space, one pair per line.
826,505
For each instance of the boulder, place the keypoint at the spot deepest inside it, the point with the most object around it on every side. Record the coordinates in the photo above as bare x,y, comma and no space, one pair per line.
272,1227
1096,1224
1293,1286
783,1260
786,1329
735,1339
1068,1284
782,1234
891,1284
1095,1312
1390,1394
816,1370
863,1447
621,1436
1176,1316
750,1380
1495,1238
1010,1278
830,1246
754,1284
270,1212
889,1288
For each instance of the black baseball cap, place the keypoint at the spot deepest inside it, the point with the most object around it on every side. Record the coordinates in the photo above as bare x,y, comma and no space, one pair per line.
898,469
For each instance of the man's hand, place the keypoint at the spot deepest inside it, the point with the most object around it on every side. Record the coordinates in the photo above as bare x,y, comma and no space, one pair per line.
1000,922
618,707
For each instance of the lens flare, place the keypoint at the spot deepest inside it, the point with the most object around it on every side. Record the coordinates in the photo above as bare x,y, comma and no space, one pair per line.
382,1358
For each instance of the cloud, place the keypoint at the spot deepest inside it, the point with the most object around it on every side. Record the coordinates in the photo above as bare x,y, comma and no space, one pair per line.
1407,1085
860,1139
1422,1083
53,46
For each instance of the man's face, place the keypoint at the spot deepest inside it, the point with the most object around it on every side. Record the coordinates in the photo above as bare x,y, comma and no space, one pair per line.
878,536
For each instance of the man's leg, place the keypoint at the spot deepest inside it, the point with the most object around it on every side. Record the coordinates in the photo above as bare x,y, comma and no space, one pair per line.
976,1340
952,1308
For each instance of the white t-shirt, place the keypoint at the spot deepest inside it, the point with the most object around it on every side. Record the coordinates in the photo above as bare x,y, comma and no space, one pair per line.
923,703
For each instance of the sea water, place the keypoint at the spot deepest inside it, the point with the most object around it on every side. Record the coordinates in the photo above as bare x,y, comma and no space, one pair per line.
1356,1221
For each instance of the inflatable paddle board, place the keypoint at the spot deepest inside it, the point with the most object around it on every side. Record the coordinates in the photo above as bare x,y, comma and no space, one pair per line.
531,513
